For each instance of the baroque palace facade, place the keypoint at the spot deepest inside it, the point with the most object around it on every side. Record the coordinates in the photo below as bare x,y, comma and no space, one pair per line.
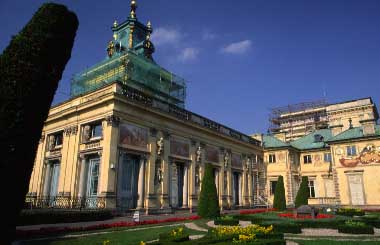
125,141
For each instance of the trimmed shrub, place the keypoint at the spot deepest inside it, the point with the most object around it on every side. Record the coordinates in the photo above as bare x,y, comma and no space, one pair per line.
279,201
36,217
30,68
354,227
287,228
226,220
350,212
208,205
303,193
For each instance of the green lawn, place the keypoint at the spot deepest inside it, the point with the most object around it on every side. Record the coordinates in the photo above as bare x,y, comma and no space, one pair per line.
116,237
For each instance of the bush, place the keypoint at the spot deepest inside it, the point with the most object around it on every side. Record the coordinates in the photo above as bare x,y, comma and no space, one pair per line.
303,193
287,227
35,217
226,220
350,212
355,227
279,201
208,206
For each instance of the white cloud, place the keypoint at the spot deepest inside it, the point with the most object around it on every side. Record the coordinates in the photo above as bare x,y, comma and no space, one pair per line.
207,35
163,35
238,47
188,54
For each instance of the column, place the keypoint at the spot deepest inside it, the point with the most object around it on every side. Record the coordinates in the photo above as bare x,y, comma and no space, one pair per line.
185,187
141,184
165,202
82,177
47,179
240,189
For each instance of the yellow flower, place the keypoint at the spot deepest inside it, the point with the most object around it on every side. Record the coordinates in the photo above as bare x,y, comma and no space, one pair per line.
142,243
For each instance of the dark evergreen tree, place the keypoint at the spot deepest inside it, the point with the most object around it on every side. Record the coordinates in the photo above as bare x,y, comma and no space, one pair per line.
279,201
208,205
30,68
303,193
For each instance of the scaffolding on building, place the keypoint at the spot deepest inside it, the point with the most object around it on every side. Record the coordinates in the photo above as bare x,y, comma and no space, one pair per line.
298,119
134,71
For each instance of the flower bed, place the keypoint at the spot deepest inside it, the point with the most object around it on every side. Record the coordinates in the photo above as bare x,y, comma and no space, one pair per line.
295,216
176,235
355,227
56,230
257,211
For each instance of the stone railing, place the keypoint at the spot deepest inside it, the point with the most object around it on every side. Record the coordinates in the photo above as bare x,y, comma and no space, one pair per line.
185,115
323,201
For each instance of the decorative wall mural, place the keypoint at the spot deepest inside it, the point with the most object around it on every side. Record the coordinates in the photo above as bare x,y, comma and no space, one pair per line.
179,148
133,135
368,155
212,154
236,160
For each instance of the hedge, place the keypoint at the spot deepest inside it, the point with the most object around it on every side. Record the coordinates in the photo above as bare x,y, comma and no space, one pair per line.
226,222
350,212
166,237
279,201
356,229
205,241
208,204
302,196
35,217
285,227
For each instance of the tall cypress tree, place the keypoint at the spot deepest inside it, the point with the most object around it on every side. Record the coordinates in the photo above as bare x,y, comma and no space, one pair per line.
303,193
208,205
279,201
30,68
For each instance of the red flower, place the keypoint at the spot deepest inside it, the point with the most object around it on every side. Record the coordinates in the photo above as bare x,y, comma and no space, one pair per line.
256,211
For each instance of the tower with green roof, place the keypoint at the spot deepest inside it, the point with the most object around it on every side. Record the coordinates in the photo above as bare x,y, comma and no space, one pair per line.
129,61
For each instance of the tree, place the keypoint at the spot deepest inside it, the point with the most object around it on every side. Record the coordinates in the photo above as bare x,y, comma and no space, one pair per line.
208,205
30,68
279,201
303,193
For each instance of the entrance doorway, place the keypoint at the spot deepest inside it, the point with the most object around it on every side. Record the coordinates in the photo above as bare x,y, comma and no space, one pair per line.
235,188
128,181
356,189
180,175
176,184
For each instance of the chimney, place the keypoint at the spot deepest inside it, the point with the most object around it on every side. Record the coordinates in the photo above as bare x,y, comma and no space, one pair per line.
336,129
368,126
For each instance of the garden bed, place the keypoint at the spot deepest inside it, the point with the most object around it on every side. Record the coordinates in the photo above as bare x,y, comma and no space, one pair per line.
355,227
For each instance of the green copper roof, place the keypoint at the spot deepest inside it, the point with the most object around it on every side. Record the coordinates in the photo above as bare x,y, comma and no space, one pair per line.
353,133
270,141
311,141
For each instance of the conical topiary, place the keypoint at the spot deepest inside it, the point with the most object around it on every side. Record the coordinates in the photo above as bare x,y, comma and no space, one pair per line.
30,68
279,201
303,193
208,205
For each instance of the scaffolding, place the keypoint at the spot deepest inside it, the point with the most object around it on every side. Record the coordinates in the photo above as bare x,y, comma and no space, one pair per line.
135,71
297,119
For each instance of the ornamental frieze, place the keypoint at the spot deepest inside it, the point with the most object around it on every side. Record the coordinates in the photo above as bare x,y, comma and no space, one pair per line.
368,155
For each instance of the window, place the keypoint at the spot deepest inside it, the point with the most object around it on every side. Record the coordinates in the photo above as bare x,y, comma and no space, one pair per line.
351,150
307,159
318,138
272,158
327,157
272,187
58,139
311,188
96,130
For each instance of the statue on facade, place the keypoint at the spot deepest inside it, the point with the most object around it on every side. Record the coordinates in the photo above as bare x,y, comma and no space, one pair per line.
199,154
226,159
160,146
51,142
110,49
247,163
86,133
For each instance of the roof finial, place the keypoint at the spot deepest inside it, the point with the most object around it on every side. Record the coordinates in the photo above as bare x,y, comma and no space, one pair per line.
149,25
115,23
133,9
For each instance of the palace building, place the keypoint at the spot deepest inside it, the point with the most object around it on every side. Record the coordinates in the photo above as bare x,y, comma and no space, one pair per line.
124,141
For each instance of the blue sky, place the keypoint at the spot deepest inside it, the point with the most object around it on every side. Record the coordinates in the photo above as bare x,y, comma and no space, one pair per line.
240,58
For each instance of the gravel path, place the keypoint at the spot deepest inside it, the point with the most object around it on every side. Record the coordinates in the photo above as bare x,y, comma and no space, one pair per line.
193,226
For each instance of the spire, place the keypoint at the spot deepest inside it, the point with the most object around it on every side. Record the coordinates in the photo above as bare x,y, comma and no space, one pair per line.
133,9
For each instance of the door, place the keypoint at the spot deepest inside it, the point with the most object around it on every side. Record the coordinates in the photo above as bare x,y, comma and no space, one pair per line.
356,189
329,188
92,183
53,189
128,181
235,183
180,175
